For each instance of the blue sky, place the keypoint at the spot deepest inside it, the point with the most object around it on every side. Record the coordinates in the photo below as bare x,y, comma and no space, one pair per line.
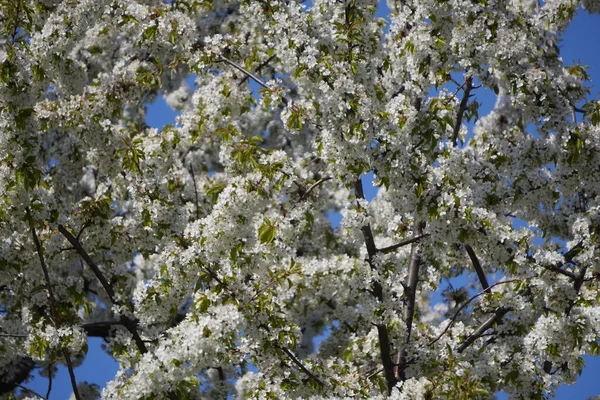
577,45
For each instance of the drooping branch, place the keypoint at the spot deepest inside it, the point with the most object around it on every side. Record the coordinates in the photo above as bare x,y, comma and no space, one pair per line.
382,332
468,86
477,266
410,290
52,300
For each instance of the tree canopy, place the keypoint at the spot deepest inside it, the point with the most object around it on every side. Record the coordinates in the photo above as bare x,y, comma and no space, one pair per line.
202,252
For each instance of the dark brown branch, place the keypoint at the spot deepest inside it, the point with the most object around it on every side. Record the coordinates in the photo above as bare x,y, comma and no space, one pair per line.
366,229
300,365
477,267
12,335
52,299
127,322
462,108
382,333
49,381
99,328
195,191
561,271
479,332
67,357
221,373
391,248
33,392
88,260
571,253
466,303
410,290
580,277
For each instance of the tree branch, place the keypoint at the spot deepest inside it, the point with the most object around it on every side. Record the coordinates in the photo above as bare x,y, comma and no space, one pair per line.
410,290
259,67
49,389
127,322
195,191
462,108
366,229
313,186
497,317
300,365
33,392
453,319
382,333
52,299
561,271
389,249
477,267
243,71
88,260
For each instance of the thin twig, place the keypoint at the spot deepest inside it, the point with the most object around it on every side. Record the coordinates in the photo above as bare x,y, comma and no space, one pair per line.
453,319
313,186
300,365
243,71
33,392
259,67
391,248
82,229
477,267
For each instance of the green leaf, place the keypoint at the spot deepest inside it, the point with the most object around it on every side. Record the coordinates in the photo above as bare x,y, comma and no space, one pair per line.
146,218
22,117
266,233
214,191
150,32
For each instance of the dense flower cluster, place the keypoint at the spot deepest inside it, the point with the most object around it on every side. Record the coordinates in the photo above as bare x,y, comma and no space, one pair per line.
203,253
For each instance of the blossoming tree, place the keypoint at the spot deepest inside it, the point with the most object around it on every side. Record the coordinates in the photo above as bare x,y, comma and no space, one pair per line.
203,254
